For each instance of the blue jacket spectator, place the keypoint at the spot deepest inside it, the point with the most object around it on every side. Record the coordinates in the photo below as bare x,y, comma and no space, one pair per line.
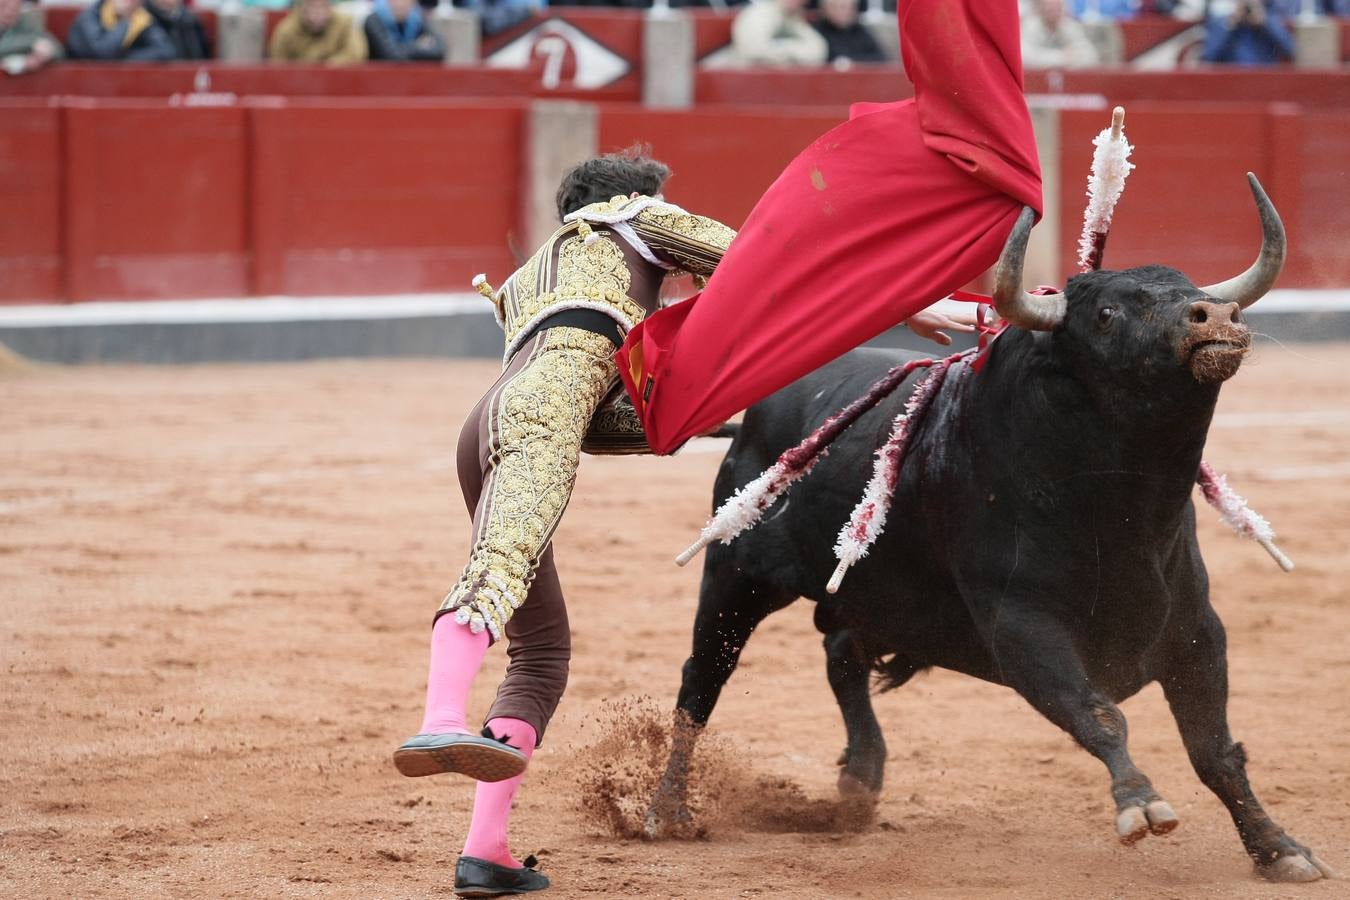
499,15
1248,34
118,29
396,30
1291,8
1103,9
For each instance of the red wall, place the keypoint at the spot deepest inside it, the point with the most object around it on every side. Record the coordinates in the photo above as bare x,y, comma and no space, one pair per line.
351,197
158,201
145,199
1187,204
30,200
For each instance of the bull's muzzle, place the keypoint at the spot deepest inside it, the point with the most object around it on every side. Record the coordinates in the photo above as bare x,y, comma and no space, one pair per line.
1215,342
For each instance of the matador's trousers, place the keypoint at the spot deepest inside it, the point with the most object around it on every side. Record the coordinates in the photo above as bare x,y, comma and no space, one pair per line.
517,458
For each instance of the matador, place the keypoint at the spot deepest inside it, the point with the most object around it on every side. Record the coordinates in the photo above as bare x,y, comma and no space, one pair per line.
564,313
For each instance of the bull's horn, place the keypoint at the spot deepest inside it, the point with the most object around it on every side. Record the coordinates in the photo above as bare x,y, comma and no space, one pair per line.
1252,285
1027,311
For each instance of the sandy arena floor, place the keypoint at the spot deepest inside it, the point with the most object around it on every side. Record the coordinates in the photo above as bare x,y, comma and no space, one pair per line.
216,581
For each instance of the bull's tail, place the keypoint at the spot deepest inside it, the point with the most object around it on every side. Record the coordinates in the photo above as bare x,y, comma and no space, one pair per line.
726,430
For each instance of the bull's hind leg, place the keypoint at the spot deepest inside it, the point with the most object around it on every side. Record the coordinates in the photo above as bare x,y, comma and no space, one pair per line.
1197,691
1037,659
849,669
863,762
730,606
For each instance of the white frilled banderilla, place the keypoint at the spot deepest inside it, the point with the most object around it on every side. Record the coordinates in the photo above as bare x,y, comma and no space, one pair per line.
744,509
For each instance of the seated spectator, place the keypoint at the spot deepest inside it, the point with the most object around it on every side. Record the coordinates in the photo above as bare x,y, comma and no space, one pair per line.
499,15
1245,33
775,33
396,30
314,32
24,47
1103,9
1290,9
848,39
118,29
183,28
1052,40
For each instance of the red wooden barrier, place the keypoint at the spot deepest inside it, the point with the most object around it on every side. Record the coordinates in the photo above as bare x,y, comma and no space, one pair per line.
1187,205
1321,181
777,87
355,197
271,79
155,201
30,201
128,199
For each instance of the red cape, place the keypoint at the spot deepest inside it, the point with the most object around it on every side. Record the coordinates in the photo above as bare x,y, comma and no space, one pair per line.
881,216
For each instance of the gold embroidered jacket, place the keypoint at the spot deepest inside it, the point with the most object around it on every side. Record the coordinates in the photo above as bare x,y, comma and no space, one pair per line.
609,257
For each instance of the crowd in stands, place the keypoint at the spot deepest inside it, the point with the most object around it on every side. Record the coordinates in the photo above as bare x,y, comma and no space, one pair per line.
1237,32
788,33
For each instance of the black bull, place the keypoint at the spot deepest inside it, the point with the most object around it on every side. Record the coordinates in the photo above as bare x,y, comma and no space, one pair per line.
1042,536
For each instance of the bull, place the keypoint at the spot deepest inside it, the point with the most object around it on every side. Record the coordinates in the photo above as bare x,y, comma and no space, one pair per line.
1043,534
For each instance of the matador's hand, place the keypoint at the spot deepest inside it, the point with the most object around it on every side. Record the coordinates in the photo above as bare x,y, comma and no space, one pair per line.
927,323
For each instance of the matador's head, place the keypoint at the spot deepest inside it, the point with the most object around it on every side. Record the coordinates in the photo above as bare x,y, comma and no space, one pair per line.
630,171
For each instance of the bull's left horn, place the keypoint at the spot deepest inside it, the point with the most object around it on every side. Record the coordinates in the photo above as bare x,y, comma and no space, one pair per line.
1252,285
1027,311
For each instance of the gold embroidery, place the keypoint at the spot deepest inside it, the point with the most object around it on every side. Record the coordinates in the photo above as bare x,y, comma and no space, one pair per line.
537,423
590,269
592,274
615,428
695,243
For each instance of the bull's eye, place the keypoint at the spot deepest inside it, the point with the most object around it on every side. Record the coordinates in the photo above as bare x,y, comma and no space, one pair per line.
1105,315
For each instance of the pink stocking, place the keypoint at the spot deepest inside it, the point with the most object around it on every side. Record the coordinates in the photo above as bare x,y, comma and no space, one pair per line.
492,802
456,654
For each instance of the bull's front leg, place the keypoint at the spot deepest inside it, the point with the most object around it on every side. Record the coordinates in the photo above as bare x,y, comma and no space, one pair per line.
1197,691
730,606
1036,657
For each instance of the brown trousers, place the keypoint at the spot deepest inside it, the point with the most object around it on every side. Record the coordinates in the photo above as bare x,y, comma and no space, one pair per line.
509,474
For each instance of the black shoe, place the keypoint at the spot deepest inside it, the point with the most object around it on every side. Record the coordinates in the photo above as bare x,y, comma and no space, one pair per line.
483,758
479,878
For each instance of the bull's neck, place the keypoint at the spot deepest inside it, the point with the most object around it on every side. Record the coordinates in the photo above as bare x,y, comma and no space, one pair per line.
1062,427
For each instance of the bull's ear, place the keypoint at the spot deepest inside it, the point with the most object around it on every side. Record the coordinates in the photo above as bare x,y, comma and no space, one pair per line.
1253,284
1031,312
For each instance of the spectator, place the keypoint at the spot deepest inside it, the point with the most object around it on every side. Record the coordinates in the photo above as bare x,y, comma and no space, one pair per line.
118,29
315,32
1052,40
1245,33
24,47
499,15
184,29
775,33
848,39
1103,9
396,30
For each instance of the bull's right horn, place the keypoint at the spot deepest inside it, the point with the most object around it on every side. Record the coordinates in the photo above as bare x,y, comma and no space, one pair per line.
1026,311
1252,285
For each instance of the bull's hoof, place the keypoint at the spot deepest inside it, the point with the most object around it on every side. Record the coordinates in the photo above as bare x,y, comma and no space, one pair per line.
667,818
1297,868
857,808
1133,823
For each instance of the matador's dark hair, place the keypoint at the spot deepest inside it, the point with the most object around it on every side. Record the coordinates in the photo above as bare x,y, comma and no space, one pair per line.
603,177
